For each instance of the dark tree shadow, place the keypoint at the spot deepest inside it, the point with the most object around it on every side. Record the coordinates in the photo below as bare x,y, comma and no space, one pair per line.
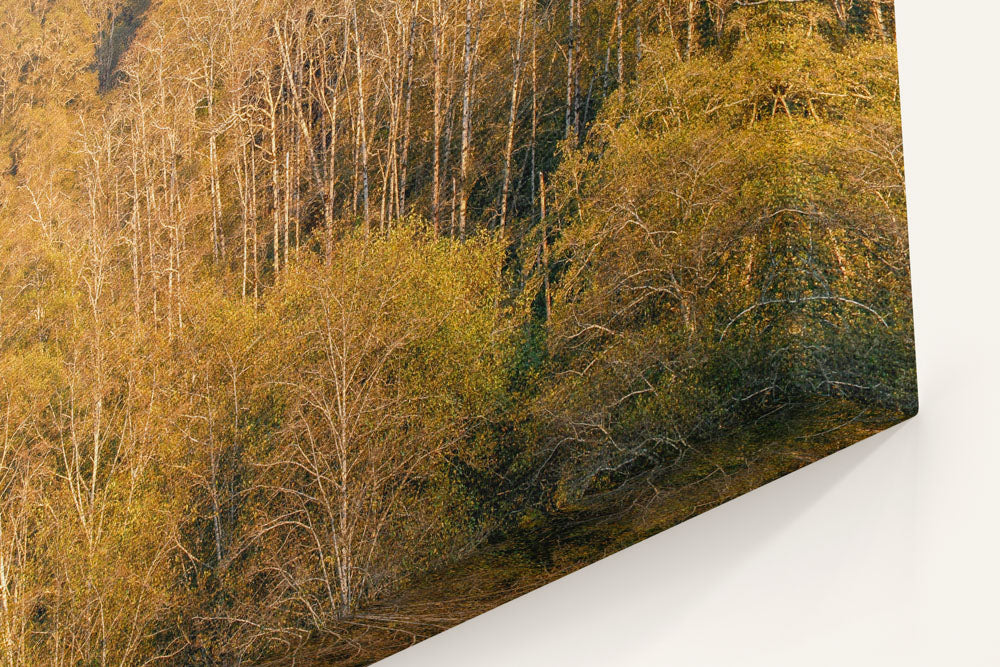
114,41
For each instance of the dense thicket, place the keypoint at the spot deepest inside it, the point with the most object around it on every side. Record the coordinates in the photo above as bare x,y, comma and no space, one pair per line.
301,299
733,239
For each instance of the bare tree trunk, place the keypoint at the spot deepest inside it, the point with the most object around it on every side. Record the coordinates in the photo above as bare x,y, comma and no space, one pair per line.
578,115
243,183
876,6
216,203
436,39
136,229
218,241
571,70
638,40
405,161
333,108
512,119
179,243
619,26
719,20
272,112
466,155
294,87
449,134
545,252
362,131
287,201
454,205
394,85
297,190
689,45
331,176
256,232
534,100
840,8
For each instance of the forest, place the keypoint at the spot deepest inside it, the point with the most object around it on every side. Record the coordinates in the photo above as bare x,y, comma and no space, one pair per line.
327,324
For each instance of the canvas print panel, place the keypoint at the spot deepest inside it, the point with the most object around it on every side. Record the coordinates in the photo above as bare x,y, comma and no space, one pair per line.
326,325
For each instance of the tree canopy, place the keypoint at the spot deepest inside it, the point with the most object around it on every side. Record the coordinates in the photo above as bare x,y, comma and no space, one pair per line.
302,301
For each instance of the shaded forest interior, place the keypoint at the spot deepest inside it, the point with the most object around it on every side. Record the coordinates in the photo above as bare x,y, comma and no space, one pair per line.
314,310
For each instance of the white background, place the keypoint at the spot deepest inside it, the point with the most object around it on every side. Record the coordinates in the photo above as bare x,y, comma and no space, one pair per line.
887,553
